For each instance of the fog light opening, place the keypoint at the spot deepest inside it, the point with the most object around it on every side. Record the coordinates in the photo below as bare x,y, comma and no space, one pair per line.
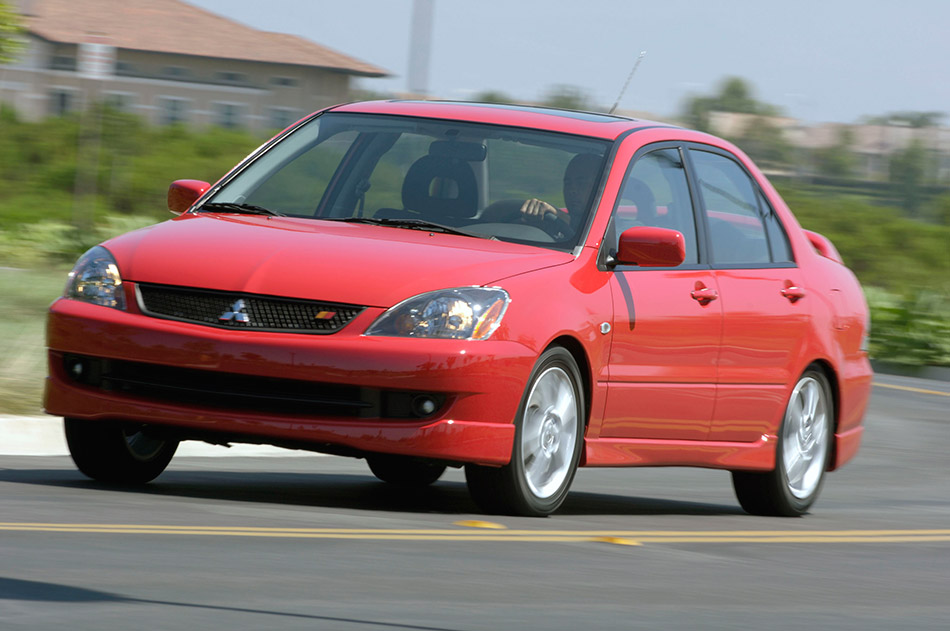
76,368
424,405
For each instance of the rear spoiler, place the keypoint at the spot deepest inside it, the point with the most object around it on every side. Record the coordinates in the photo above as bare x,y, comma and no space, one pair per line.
824,246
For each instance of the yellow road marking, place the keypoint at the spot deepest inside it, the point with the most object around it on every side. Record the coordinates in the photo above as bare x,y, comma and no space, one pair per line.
910,389
618,537
475,523
619,541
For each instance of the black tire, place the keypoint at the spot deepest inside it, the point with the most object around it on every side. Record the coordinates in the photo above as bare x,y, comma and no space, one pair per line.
549,437
802,454
117,453
404,471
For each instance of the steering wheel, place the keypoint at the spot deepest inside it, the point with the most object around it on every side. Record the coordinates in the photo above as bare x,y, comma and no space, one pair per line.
503,211
509,211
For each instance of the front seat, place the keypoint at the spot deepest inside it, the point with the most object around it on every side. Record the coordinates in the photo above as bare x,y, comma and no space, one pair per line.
635,193
440,189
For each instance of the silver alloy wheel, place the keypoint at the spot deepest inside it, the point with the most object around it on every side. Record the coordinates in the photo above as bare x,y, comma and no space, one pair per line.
549,432
805,437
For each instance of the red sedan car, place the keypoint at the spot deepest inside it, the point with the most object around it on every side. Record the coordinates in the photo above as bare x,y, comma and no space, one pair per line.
519,291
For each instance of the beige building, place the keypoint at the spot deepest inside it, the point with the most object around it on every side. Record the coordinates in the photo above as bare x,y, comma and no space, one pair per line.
168,62
872,144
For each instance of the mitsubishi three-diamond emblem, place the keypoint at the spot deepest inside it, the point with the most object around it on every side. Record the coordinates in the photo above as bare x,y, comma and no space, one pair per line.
238,313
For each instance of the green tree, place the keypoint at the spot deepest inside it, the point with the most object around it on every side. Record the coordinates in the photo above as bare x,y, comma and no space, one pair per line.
762,139
765,143
734,94
362,94
884,248
838,160
908,169
566,97
941,209
10,32
917,120
492,96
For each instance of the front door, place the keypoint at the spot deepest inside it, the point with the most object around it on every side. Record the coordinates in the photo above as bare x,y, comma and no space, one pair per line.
667,322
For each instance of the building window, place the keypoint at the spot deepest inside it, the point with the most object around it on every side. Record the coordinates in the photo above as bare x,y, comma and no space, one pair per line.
62,102
231,77
227,115
176,72
124,68
284,82
172,110
63,62
281,117
119,101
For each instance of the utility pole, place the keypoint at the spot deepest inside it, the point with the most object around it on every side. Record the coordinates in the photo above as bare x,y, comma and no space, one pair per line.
95,64
420,46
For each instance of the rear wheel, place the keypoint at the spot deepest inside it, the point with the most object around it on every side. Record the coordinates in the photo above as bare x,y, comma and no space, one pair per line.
802,454
549,433
119,453
404,471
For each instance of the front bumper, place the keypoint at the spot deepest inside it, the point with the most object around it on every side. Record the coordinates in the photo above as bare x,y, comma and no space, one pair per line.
480,383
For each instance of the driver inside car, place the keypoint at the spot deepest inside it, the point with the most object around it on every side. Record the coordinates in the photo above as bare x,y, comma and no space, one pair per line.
580,176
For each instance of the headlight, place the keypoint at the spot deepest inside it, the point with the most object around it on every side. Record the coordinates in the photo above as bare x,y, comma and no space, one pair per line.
463,313
95,278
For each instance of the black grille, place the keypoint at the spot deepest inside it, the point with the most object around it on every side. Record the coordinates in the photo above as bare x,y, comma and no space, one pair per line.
253,312
223,390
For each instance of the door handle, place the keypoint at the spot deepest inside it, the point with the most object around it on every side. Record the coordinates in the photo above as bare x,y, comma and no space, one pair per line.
704,295
794,294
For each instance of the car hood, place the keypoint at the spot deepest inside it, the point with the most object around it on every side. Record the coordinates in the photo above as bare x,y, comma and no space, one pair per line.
320,260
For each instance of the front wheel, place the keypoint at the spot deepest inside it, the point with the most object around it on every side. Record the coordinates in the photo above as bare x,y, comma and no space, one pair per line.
549,433
118,453
802,454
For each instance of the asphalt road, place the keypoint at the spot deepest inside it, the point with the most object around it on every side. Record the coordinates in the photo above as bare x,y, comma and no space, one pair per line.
317,543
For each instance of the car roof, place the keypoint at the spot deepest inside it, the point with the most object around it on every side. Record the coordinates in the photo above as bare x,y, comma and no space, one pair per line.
593,124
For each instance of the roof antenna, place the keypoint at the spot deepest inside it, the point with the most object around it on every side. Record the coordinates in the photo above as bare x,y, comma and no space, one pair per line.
629,77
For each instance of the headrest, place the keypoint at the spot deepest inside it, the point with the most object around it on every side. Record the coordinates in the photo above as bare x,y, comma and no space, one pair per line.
642,197
440,186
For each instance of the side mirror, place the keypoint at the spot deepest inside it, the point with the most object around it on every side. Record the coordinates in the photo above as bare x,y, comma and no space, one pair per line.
649,246
182,194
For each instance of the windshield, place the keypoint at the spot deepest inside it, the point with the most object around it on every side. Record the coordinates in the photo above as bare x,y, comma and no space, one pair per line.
514,184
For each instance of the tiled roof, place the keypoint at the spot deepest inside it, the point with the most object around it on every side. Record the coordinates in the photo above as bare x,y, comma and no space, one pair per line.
171,26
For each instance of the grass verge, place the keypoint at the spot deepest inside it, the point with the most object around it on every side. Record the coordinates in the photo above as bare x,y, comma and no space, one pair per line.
25,296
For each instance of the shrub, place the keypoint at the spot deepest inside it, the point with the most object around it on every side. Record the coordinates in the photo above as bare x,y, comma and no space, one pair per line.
912,329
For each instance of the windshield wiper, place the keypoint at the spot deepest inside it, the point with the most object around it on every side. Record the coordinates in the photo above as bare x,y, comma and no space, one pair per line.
413,224
234,207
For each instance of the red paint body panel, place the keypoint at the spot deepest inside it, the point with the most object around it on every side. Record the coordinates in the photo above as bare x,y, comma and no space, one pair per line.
537,118
846,446
671,376
485,385
444,439
649,246
824,247
755,456
663,369
182,194
302,258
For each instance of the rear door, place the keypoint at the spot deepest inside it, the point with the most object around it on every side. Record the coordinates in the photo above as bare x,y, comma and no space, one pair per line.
764,302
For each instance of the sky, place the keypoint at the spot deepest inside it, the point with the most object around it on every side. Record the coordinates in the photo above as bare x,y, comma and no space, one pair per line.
818,60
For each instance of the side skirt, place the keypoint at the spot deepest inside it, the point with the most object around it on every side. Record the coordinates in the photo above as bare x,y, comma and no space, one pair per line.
632,452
